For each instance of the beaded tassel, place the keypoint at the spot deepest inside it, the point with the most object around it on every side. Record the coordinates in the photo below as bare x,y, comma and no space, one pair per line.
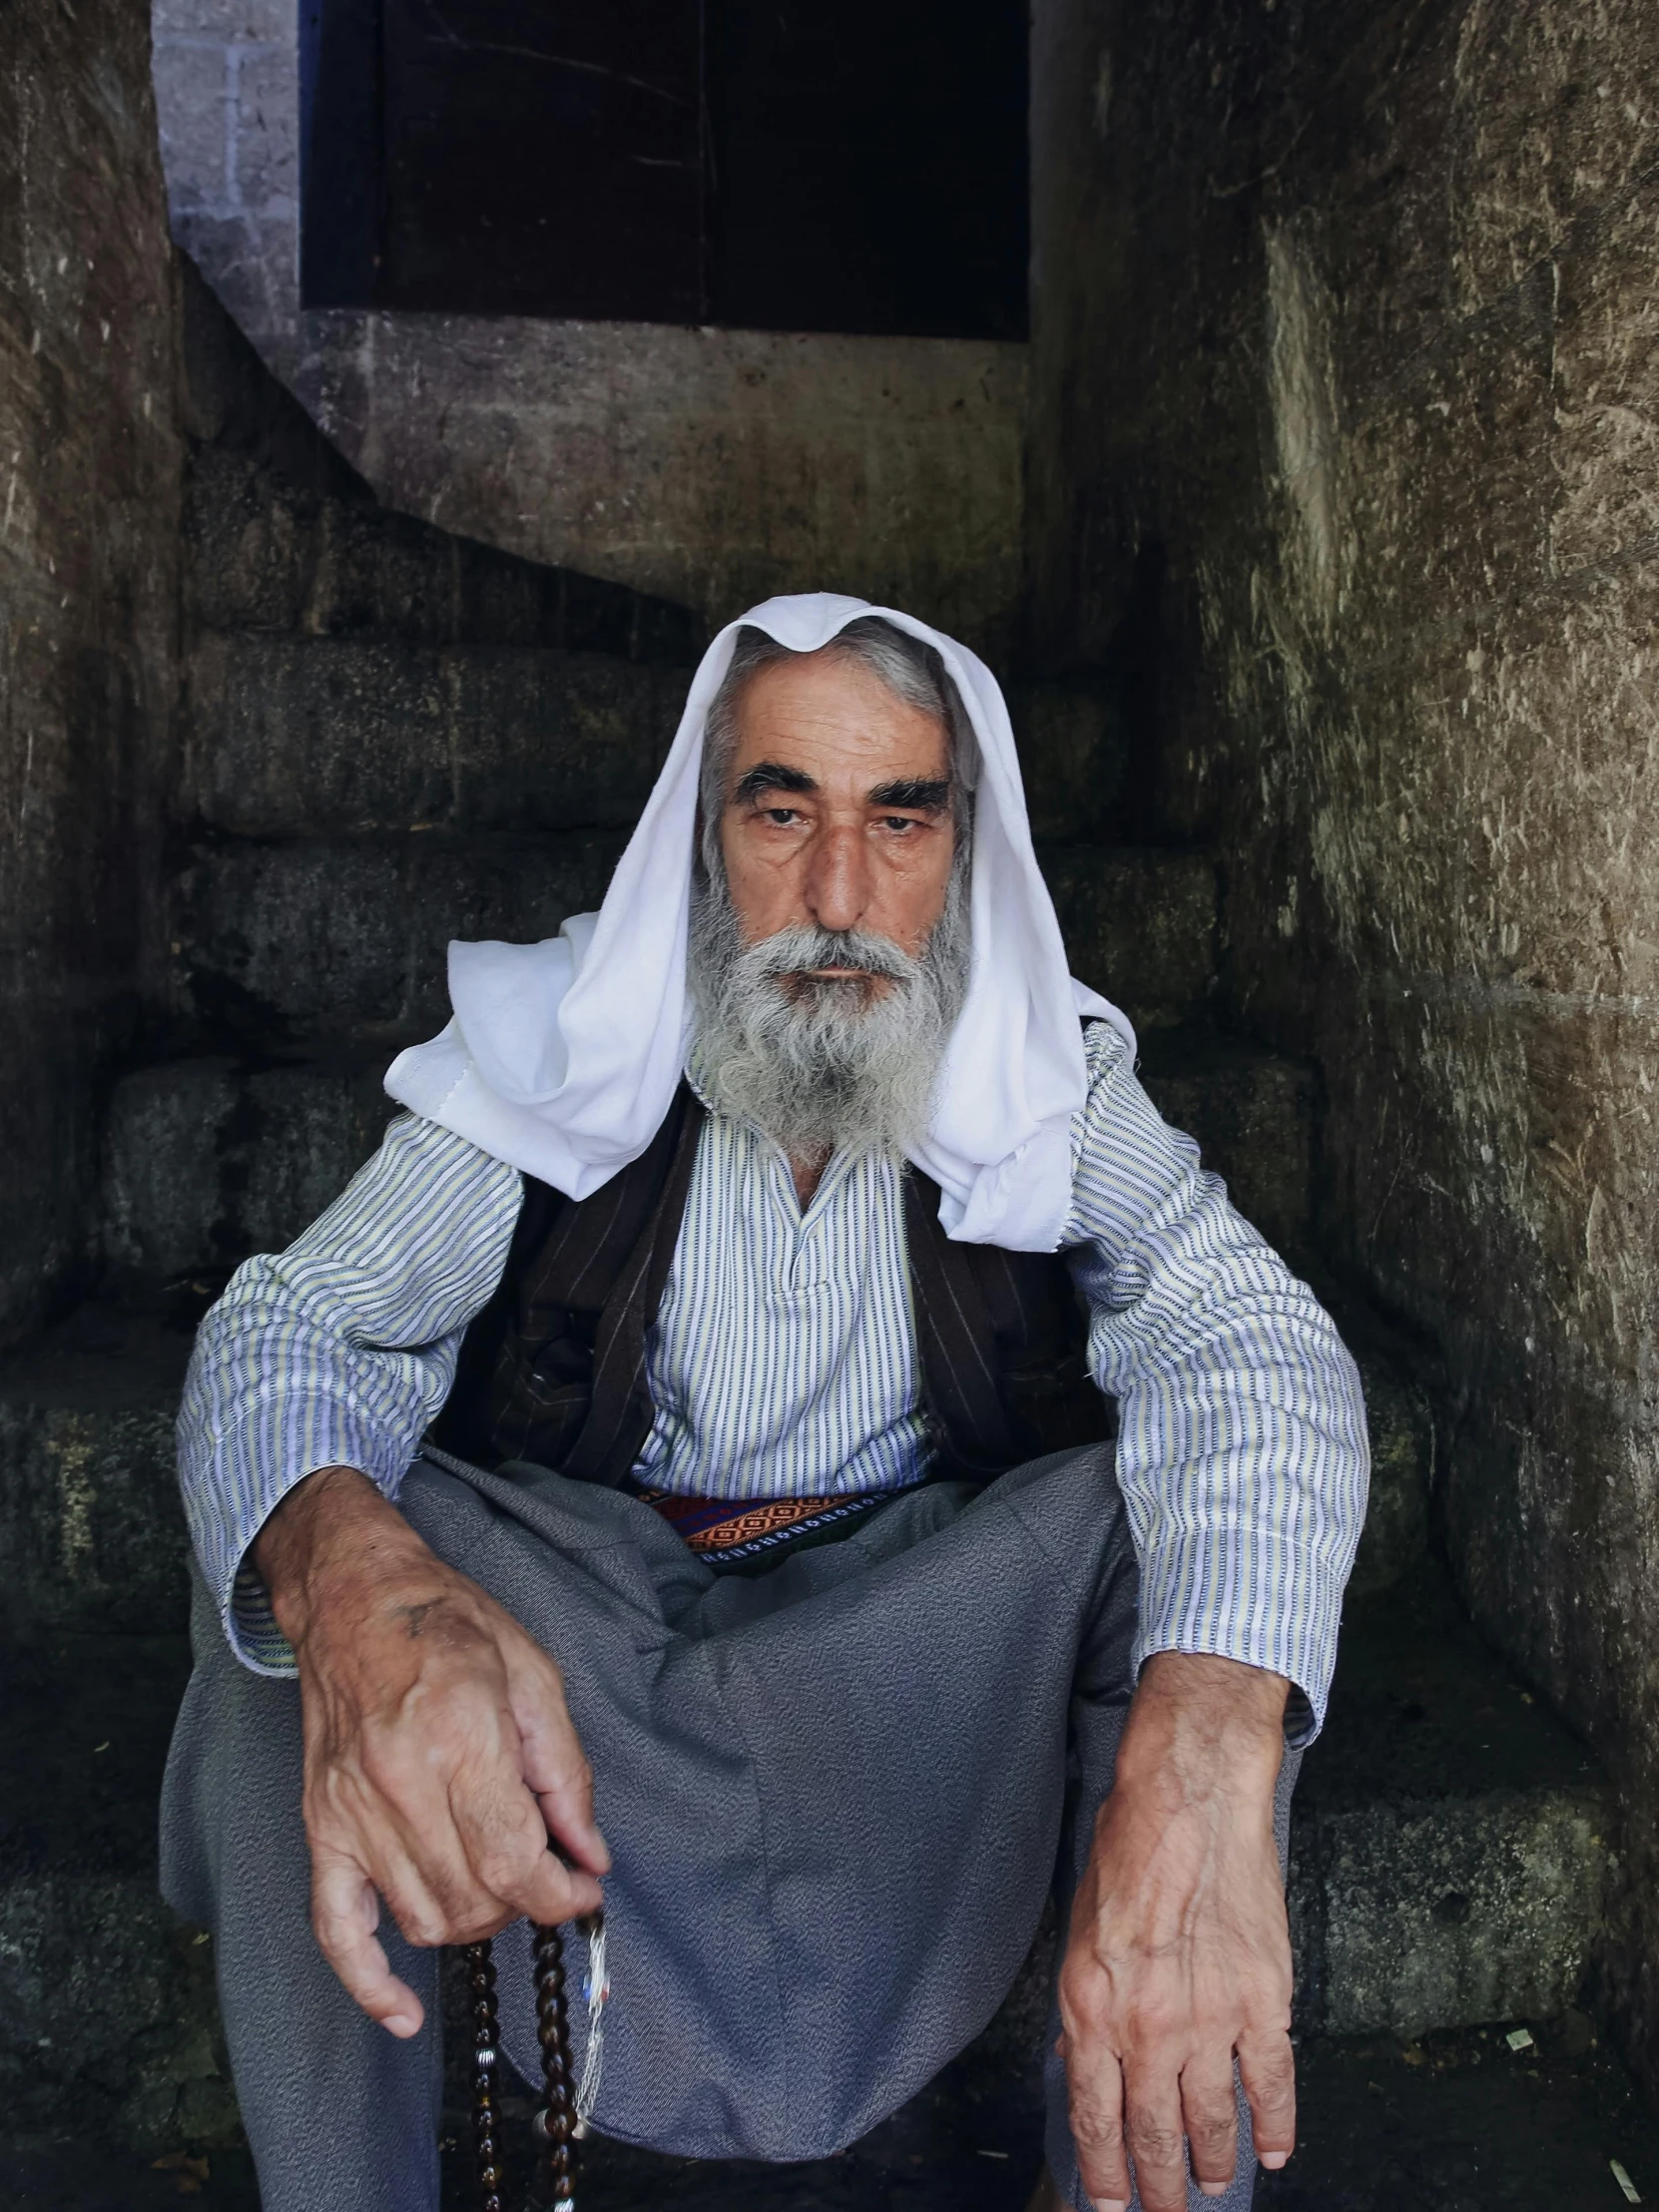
556,2122
556,2125
480,1975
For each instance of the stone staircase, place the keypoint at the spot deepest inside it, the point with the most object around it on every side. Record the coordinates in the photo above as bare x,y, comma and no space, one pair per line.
393,737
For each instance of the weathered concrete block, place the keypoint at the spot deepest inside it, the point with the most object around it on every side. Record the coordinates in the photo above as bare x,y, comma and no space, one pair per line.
1072,755
252,549
1449,1916
291,735
154,2061
336,937
317,935
91,1536
189,78
295,737
558,742
309,1126
1253,1116
1401,1429
280,538
1140,926
382,571
264,154
162,1165
207,1160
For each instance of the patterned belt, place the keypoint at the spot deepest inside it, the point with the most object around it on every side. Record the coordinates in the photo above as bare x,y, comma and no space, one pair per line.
730,1531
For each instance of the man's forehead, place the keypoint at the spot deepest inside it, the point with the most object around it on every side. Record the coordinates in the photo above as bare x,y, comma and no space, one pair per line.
825,716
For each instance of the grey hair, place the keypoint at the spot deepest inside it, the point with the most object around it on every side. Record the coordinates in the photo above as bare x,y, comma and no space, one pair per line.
910,668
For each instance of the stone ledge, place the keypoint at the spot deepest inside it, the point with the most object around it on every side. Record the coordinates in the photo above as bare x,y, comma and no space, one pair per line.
1251,1114
106,1999
1482,1800
343,935
1452,1836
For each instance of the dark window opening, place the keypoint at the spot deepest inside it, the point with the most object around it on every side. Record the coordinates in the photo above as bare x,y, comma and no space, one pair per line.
805,165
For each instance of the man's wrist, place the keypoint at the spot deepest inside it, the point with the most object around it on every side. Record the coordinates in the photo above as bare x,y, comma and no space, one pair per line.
1224,1716
332,1533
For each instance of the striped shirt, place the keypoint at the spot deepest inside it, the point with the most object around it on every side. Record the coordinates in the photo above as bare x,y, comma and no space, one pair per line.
783,1363
783,1358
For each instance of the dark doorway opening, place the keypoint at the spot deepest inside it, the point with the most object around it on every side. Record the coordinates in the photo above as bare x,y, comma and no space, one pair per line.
808,165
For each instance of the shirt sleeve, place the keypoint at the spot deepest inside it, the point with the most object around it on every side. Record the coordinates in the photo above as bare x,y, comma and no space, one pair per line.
337,1352
1243,1454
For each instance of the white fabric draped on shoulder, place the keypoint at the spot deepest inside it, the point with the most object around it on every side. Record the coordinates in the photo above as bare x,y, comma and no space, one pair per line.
563,1057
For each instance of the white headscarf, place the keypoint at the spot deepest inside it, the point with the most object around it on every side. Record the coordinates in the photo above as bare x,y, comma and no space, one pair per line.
563,1057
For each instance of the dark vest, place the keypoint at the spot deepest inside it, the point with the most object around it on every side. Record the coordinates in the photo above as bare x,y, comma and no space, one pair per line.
554,1370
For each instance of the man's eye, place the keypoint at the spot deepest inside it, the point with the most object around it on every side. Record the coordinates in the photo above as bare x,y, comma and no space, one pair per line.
898,821
784,815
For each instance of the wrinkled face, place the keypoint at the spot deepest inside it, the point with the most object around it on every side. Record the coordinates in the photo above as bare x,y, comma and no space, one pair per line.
837,812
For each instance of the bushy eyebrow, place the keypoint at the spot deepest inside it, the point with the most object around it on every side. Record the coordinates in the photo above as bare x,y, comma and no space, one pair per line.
768,776
922,795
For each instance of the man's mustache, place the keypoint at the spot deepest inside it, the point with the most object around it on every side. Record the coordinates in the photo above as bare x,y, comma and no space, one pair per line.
800,948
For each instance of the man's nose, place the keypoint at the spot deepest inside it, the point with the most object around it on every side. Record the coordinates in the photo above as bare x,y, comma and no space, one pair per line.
836,885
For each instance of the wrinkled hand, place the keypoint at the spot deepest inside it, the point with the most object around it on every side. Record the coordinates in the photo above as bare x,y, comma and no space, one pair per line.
440,1754
1179,1954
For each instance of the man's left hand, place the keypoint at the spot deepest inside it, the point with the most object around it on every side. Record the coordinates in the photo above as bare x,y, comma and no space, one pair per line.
1180,1955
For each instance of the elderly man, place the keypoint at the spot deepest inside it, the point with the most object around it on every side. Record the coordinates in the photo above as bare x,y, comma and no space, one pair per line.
769,1249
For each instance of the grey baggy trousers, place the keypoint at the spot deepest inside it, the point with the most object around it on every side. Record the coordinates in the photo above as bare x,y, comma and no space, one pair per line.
834,1793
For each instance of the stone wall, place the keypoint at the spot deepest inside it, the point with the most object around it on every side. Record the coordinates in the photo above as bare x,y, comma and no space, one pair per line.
1346,463
90,475
711,467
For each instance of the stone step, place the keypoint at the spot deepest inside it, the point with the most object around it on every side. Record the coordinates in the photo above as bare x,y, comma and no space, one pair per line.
315,737
1253,1115
282,534
345,934
92,1537
208,1159
267,556
350,935
1449,1848
1452,1841
1074,758
108,2018
1399,1418
296,733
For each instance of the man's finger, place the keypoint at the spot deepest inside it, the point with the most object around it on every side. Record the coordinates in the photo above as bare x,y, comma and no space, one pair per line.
555,1766
507,1847
1152,2123
1210,2113
1266,2067
1095,2088
560,1893
344,1914
426,1872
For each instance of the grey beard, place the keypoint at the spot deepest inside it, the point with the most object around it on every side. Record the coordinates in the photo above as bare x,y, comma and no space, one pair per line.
816,1065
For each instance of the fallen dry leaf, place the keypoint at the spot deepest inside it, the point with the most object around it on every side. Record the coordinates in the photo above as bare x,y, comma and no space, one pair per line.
192,2172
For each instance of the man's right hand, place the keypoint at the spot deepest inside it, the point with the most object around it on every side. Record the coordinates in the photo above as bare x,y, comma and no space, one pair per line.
439,1753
